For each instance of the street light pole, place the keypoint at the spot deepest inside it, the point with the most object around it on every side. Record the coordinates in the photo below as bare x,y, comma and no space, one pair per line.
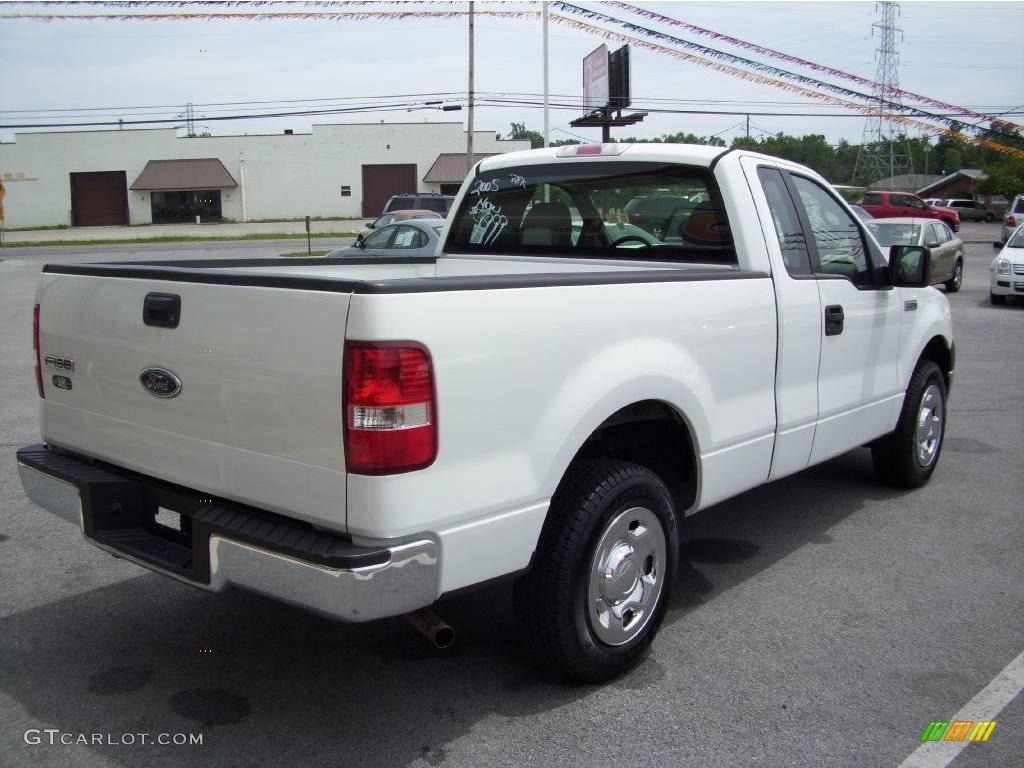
547,124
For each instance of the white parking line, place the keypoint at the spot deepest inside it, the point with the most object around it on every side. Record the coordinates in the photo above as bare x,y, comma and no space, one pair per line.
988,703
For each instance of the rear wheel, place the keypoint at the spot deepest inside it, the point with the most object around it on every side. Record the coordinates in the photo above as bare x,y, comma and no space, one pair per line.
989,218
908,456
599,586
954,282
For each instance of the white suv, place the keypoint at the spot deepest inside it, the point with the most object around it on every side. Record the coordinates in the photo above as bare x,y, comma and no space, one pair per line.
1014,217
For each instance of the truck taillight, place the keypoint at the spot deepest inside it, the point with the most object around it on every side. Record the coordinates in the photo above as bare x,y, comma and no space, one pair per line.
1010,221
35,348
390,407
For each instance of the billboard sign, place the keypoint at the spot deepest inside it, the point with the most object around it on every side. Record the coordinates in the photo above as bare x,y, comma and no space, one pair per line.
619,79
595,79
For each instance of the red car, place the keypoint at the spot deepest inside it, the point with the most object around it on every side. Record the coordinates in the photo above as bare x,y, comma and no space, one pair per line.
886,205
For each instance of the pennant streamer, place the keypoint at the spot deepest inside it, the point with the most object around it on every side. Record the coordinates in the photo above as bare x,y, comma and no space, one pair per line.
761,79
654,16
758,66
713,58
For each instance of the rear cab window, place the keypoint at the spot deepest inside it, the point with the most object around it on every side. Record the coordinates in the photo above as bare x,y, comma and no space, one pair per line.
611,209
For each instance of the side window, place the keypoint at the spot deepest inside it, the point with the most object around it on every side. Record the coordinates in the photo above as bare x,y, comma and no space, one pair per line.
408,237
943,232
871,198
932,236
836,236
379,238
787,223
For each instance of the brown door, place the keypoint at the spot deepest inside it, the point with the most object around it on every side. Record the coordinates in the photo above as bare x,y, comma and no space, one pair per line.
99,198
381,182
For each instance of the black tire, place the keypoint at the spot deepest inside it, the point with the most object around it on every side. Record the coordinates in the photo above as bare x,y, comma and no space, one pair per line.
989,218
552,600
997,299
896,456
954,282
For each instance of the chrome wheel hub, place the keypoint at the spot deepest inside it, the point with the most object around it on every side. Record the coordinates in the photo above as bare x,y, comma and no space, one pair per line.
627,574
928,435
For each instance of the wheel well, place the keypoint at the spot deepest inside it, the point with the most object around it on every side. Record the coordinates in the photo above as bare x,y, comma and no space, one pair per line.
937,351
654,435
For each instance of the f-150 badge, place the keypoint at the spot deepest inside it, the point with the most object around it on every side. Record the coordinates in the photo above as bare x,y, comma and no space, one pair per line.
160,382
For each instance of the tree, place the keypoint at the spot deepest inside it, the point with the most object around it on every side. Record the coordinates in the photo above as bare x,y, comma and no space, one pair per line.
1004,178
521,133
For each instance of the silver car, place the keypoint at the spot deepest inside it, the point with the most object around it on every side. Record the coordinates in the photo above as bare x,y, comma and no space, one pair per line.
947,250
414,237
971,210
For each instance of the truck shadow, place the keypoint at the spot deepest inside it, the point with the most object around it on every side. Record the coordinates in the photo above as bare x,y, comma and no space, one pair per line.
268,684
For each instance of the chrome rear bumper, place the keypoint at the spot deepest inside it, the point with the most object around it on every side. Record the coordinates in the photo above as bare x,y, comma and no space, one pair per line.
349,583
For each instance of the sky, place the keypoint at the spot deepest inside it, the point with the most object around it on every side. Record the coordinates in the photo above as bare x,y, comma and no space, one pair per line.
963,53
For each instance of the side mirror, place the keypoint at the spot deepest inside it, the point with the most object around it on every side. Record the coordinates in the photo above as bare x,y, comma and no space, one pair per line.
932,245
910,266
359,242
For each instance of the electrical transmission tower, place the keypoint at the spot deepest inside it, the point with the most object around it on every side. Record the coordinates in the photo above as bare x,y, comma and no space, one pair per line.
190,121
879,154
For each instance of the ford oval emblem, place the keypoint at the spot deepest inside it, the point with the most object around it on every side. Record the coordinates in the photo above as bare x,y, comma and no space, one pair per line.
160,382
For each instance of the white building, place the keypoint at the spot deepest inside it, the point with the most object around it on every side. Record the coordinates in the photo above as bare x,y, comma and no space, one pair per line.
145,176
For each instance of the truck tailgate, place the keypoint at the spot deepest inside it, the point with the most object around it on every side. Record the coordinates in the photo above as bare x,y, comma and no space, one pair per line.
258,418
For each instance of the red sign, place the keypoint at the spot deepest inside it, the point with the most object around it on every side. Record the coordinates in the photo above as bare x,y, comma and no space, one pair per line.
595,79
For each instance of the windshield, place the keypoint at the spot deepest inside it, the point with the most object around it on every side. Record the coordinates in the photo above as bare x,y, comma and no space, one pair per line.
613,209
1016,239
895,234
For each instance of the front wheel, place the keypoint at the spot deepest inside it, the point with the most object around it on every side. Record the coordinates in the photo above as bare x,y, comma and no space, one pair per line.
989,218
907,457
599,585
954,282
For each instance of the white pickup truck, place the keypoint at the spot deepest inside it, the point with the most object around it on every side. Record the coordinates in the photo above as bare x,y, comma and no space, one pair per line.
610,337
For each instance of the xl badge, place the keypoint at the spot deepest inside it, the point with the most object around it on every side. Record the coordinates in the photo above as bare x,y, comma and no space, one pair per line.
160,382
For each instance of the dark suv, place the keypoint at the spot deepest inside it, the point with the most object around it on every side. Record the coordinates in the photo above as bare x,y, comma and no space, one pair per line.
426,201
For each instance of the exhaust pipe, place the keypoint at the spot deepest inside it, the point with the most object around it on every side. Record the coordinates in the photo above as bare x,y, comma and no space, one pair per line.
432,627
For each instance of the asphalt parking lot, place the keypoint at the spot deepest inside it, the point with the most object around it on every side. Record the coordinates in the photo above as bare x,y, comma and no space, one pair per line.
823,620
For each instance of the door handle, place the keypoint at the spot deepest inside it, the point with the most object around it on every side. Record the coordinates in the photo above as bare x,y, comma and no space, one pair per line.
833,320
162,309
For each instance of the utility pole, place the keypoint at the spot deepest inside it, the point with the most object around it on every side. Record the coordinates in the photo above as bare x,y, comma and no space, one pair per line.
748,126
877,157
469,131
547,122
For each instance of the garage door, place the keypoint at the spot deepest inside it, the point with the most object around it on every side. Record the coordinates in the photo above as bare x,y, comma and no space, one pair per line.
381,182
99,199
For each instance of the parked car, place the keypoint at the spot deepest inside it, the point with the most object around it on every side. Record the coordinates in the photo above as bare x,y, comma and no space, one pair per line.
947,250
885,205
1014,217
1007,269
653,213
971,210
395,216
933,201
861,213
413,237
530,403
431,201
